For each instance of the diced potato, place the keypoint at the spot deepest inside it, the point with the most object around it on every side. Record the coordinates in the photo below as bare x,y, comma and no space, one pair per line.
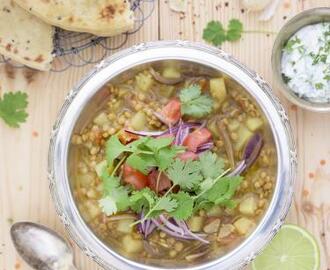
166,90
244,225
244,134
101,119
212,227
248,206
171,73
100,167
132,245
254,123
233,125
144,81
195,223
218,91
225,230
215,211
139,121
124,225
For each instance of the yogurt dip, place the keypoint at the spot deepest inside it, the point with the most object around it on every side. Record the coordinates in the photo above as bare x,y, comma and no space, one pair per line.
305,63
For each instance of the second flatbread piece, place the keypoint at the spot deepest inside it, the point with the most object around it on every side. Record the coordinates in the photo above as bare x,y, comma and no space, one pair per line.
24,38
101,17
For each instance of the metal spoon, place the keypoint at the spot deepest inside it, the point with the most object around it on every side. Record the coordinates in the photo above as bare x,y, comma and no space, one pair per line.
41,248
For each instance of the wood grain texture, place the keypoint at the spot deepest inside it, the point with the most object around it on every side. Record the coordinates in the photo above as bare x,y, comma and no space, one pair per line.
24,193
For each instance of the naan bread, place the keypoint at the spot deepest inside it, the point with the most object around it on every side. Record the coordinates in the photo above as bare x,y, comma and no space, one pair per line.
99,17
24,38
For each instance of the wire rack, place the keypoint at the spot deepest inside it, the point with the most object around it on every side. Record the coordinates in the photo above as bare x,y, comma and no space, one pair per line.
73,49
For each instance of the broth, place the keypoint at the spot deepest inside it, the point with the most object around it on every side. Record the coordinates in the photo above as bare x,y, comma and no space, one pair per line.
148,102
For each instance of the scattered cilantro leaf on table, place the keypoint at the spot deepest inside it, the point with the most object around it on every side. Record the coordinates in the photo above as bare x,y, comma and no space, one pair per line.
235,29
193,103
214,33
13,108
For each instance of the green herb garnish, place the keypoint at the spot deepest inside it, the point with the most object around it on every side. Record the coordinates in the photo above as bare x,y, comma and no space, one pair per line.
193,103
216,34
202,182
13,108
319,86
290,45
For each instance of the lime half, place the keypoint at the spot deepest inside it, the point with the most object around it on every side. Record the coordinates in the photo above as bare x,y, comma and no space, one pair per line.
292,248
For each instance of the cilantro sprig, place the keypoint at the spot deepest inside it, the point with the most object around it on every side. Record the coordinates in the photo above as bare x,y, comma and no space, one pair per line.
201,183
199,188
194,103
13,108
215,33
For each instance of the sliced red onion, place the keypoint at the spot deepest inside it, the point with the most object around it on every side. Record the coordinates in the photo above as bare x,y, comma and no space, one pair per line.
170,225
163,228
146,133
176,231
252,149
240,167
205,147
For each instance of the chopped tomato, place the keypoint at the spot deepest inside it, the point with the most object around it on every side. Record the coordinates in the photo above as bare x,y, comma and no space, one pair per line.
137,179
126,137
188,156
172,111
197,138
164,181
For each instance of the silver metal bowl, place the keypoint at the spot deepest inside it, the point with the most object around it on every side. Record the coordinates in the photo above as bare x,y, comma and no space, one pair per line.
304,18
87,97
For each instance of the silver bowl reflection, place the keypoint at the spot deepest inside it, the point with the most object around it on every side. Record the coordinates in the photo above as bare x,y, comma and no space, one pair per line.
88,96
304,18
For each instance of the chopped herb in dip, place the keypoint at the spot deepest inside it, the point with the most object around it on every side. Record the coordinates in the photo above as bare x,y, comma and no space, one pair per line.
306,62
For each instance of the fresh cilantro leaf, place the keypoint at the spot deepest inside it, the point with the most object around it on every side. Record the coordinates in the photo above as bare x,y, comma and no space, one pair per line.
108,205
223,190
235,29
142,200
206,184
185,206
116,200
166,203
211,165
165,156
185,174
141,162
115,197
193,103
327,77
114,148
202,204
158,143
214,33
13,108
109,182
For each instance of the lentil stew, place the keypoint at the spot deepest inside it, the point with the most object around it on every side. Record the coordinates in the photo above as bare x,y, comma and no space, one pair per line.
175,169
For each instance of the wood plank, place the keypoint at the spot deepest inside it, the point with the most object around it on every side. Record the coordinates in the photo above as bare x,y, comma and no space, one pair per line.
24,193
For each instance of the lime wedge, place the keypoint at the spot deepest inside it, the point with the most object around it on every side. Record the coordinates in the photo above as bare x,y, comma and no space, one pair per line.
292,248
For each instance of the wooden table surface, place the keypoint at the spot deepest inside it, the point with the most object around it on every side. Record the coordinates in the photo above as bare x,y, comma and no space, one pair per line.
24,193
